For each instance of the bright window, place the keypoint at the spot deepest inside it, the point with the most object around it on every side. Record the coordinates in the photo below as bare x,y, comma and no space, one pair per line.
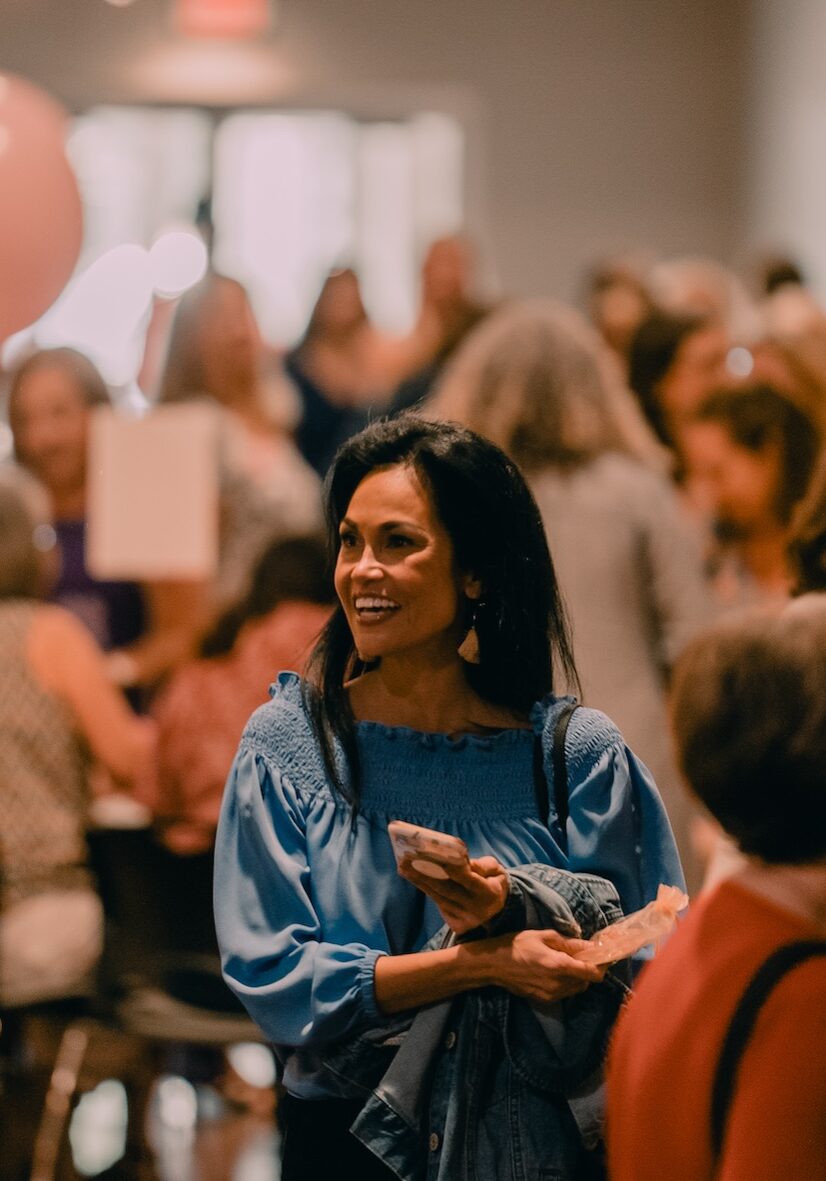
294,195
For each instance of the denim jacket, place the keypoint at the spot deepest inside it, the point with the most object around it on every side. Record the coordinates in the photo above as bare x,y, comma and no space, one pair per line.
490,1087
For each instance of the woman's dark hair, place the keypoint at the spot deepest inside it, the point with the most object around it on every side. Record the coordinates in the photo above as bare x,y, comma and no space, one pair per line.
497,535
759,416
778,272
292,568
749,719
807,546
653,350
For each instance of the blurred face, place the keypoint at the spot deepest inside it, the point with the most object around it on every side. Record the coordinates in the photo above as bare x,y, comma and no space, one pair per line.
736,485
50,422
617,311
395,573
228,340
699,366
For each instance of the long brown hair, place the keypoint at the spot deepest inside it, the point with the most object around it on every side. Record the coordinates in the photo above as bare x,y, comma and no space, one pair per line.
184,377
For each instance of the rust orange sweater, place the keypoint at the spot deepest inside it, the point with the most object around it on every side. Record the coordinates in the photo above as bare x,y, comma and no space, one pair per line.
667,1044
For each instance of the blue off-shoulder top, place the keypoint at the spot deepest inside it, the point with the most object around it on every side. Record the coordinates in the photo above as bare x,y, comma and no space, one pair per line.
306,900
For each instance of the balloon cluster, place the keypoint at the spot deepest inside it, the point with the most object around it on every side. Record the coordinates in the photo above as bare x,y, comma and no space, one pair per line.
41,222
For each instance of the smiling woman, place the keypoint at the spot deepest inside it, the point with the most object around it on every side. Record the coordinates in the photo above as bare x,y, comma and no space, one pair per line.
435,534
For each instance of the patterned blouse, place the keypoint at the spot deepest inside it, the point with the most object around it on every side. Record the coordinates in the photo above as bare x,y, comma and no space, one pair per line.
43,788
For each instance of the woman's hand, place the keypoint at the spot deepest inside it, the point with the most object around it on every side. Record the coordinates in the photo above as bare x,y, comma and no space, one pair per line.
472,895
539,965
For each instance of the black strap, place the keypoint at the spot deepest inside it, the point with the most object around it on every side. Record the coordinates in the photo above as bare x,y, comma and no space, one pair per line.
559,767
765,979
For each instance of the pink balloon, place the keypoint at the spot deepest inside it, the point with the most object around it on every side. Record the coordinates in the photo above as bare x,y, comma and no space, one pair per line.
41,217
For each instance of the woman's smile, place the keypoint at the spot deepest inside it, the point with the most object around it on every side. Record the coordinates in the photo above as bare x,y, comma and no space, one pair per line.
372,609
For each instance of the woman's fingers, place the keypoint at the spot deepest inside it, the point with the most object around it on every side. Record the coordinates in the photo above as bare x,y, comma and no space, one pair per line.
488,867
478,895
564,961
439,889
539,965
560,942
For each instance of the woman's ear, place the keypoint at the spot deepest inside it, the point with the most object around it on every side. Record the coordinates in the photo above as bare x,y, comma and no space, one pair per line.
472,587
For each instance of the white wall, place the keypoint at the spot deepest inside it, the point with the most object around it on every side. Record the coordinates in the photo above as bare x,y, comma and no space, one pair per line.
787,149
595,125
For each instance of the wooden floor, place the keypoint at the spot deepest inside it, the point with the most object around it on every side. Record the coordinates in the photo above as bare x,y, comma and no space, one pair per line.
220,1130
194,1134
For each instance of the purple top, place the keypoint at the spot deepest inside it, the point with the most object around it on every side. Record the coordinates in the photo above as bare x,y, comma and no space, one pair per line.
114,612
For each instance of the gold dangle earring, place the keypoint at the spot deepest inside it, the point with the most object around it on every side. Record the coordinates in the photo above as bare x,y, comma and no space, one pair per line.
469,647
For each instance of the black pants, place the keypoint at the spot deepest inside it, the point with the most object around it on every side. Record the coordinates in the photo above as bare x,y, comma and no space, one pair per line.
317,1143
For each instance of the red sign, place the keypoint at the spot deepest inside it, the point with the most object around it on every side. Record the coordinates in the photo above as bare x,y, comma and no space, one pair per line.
222,18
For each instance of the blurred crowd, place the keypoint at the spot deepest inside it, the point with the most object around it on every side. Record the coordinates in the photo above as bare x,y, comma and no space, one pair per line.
671,430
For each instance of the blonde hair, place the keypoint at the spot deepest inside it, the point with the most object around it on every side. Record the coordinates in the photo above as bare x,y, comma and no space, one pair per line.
535,379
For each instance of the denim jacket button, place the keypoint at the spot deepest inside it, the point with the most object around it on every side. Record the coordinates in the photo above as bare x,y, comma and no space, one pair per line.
450,1040
434,1142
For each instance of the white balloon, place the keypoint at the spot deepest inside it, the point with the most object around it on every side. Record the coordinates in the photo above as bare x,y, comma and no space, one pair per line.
178,259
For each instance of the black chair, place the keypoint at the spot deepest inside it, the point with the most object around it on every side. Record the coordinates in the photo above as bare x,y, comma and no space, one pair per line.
160,982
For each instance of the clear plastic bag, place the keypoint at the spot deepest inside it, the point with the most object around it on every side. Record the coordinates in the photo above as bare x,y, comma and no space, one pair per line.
636,930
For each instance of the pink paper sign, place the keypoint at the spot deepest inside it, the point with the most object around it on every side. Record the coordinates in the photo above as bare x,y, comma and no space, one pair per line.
153,494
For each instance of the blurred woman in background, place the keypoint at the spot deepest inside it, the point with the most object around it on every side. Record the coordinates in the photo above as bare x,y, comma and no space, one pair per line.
617,301
203,709
215,355
449,310
146,628
750,725
57,707
750,454
532,379
674,361
807,544
342,367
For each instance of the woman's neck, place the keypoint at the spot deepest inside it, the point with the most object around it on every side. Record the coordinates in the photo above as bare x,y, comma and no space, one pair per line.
69,504
425,693
800,889
764,554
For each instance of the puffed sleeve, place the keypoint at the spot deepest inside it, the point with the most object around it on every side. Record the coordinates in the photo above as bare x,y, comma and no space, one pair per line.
301,990
618,828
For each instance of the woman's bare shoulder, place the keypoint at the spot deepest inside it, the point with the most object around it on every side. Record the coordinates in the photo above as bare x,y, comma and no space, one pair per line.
55,641
53,624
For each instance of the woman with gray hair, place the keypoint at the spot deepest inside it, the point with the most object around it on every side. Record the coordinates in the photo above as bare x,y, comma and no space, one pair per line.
535,379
